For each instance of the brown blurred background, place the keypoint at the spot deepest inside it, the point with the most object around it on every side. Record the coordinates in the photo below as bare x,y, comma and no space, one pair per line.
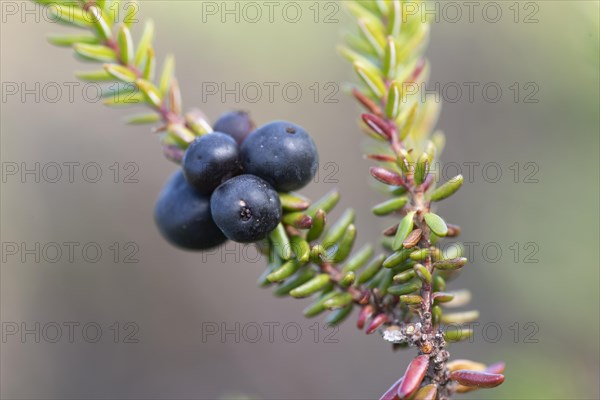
538,300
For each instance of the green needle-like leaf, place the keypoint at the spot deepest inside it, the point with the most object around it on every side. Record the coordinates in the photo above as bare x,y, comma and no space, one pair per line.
338,301
314,285
336,317
436,224
281,242
150,92
167,74
126,45
285,271
139,119
373,81
390,206
359,259
70,40
336,232
345,245
95,52
405,227
318,226
394,100
447,189
371,269
121,73
145,43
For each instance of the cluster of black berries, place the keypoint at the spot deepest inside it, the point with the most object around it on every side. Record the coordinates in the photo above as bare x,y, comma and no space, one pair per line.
227,187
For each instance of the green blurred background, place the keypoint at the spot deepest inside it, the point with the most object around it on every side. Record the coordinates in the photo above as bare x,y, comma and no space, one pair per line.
547,310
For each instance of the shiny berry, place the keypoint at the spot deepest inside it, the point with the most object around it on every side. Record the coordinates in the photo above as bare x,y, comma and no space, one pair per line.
282,153
246,208
210,160
236,124
183,216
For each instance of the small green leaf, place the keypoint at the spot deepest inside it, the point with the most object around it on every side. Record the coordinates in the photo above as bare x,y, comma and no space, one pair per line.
140,119
359,259
408,48
457,334
69,15
411,299
338,301
442,297
389,60
420,255
385,281
439,284
335,233
348,279
95,76
100,23
150,92
318,225
274,263
372,32
394,100
198,122
397,258
422,169
300,278
408,122
95,52
405,227
167,74
460,298
299,220
345,245
405,276
293,202
406,288
280,242
371,269
145,43
436,224
125,45
124,98
450,265
373,81
300,248
283,272
70,40
121,73
460,317
447,189
423,273
336,317
150,66
436,314
390,206
395,18
326,203
314,285
318,306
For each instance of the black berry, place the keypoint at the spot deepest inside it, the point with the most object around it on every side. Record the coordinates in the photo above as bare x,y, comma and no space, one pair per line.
210,160
236,124
246,208
183,216
282,153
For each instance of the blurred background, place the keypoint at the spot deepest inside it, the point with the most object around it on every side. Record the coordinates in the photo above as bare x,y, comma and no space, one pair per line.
95,304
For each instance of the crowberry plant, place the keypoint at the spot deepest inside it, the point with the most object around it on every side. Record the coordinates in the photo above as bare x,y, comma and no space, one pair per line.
399,292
